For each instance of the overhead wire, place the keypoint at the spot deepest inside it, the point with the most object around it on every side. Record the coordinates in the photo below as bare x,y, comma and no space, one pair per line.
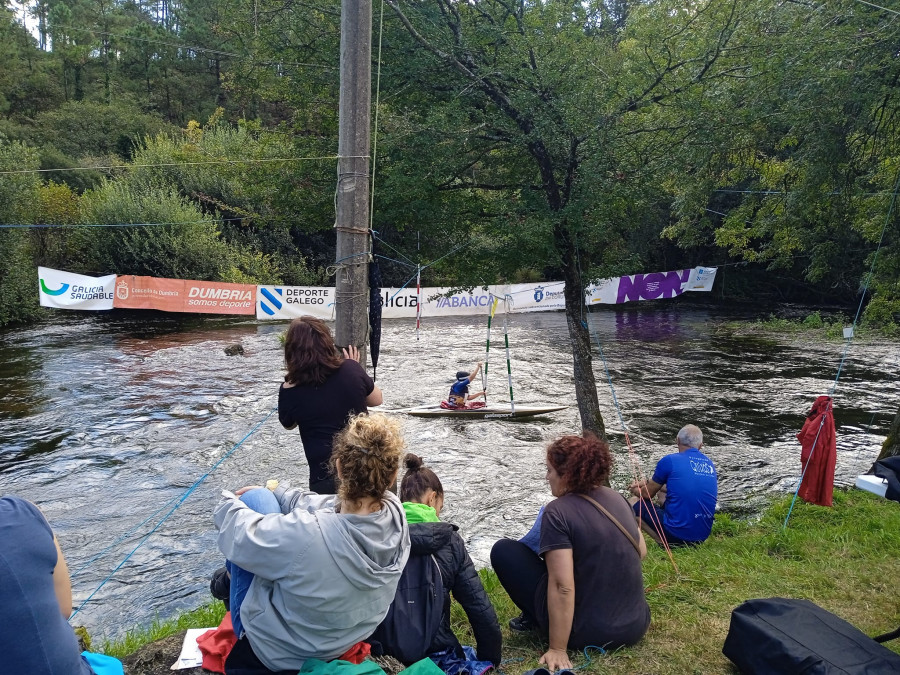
118,167
196,48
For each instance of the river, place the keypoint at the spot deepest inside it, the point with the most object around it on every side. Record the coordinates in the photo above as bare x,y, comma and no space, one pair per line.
107,420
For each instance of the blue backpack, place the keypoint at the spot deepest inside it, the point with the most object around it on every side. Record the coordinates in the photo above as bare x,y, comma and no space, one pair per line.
416,612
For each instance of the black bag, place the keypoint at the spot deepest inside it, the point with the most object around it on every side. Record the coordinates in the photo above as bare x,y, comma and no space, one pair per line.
889,469
797,637
416,612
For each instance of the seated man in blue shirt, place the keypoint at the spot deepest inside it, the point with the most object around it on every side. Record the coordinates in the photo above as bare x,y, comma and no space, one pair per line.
686,485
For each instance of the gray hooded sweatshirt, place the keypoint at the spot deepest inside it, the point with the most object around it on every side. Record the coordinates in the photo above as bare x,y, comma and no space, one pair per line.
324,580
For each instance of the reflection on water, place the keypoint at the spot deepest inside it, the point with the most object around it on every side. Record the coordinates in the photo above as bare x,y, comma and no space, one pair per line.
106,420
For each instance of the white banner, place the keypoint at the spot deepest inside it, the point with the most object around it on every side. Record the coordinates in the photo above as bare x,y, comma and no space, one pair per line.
702,279
65,290
289,302
652,286
436,301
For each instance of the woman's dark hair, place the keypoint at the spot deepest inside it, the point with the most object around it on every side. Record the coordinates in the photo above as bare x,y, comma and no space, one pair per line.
309,352
418,479
369,450
584,462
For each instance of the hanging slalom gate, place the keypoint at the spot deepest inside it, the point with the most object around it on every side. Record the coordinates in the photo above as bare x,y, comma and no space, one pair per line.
487,350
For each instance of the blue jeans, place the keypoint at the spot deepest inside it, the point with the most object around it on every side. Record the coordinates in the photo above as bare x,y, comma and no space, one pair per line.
533,538
260,500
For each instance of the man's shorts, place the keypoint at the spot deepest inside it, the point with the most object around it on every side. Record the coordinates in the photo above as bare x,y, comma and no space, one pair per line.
646,510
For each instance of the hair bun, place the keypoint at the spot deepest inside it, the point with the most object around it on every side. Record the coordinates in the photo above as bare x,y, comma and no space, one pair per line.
413,462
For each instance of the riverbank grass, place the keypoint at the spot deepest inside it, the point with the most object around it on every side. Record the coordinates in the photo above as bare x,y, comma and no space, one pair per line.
829,328
842,558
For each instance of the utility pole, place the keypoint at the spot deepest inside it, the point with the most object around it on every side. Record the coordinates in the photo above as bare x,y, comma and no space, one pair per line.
352,222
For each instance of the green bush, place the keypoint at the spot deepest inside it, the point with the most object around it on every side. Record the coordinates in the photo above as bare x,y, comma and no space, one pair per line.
814,320
18,278
187,246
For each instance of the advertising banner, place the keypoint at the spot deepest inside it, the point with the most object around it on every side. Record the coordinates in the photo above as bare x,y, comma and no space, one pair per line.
652,286
702,279
65,290
184,295
437,301
289,302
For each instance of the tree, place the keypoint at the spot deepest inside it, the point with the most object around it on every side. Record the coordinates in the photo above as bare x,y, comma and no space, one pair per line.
18,279
891,445
804,178
553,117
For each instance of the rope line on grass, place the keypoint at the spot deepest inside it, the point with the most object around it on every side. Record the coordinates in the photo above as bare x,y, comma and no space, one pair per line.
180,501
636,468
587,656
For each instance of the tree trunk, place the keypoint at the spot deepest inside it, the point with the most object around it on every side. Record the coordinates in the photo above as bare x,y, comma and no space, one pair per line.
891,446
576,318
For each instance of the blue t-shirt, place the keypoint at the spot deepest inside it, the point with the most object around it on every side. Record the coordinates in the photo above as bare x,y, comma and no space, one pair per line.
460,387
691,492
36,639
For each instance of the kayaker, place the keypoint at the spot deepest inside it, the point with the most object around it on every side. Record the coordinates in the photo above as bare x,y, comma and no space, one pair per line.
459,390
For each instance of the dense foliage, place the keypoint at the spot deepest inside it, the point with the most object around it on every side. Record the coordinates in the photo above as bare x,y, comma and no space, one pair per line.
545,139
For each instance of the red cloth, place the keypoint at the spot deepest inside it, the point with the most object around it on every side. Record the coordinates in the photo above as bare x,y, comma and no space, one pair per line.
216,644
446,405
817,484
357,653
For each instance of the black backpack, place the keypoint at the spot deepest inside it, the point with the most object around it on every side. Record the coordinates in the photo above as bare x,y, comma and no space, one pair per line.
416,612
782,636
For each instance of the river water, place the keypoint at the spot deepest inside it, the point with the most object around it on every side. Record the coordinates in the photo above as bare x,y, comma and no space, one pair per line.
106,421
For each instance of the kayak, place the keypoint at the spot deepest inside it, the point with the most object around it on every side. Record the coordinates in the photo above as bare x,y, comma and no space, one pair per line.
486,413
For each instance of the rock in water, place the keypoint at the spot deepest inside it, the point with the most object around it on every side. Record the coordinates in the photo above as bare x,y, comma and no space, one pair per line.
234,350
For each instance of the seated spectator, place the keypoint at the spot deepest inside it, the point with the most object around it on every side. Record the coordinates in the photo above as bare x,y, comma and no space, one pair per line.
686,486
312,575
36,596
434,542
588,588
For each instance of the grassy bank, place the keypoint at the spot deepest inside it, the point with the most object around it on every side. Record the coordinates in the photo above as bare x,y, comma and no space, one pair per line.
843,558
828,327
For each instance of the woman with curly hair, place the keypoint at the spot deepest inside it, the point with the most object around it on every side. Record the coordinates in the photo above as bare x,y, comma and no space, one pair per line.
320,391
588,588
311,575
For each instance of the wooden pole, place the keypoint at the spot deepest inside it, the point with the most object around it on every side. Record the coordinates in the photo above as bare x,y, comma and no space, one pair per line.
352,198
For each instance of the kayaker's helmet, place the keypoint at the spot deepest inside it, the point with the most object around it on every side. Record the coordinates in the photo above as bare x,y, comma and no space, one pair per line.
462,375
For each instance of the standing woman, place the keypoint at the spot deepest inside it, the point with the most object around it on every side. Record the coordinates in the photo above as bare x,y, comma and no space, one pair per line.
321,390
588,588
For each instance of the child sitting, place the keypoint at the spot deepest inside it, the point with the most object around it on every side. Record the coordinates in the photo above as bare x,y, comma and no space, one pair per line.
433,542
459,390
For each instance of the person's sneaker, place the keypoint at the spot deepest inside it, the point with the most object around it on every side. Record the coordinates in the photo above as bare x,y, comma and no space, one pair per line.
220,586
522,624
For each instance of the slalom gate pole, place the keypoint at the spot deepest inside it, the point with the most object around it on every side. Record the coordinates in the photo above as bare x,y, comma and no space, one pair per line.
487,348
418,287
512,404
418,298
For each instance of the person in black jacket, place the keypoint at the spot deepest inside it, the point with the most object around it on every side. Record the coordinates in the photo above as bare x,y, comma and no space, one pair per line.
423,497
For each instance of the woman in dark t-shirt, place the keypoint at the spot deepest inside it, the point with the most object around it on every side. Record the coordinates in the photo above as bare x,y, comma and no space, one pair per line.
583,549
320,392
